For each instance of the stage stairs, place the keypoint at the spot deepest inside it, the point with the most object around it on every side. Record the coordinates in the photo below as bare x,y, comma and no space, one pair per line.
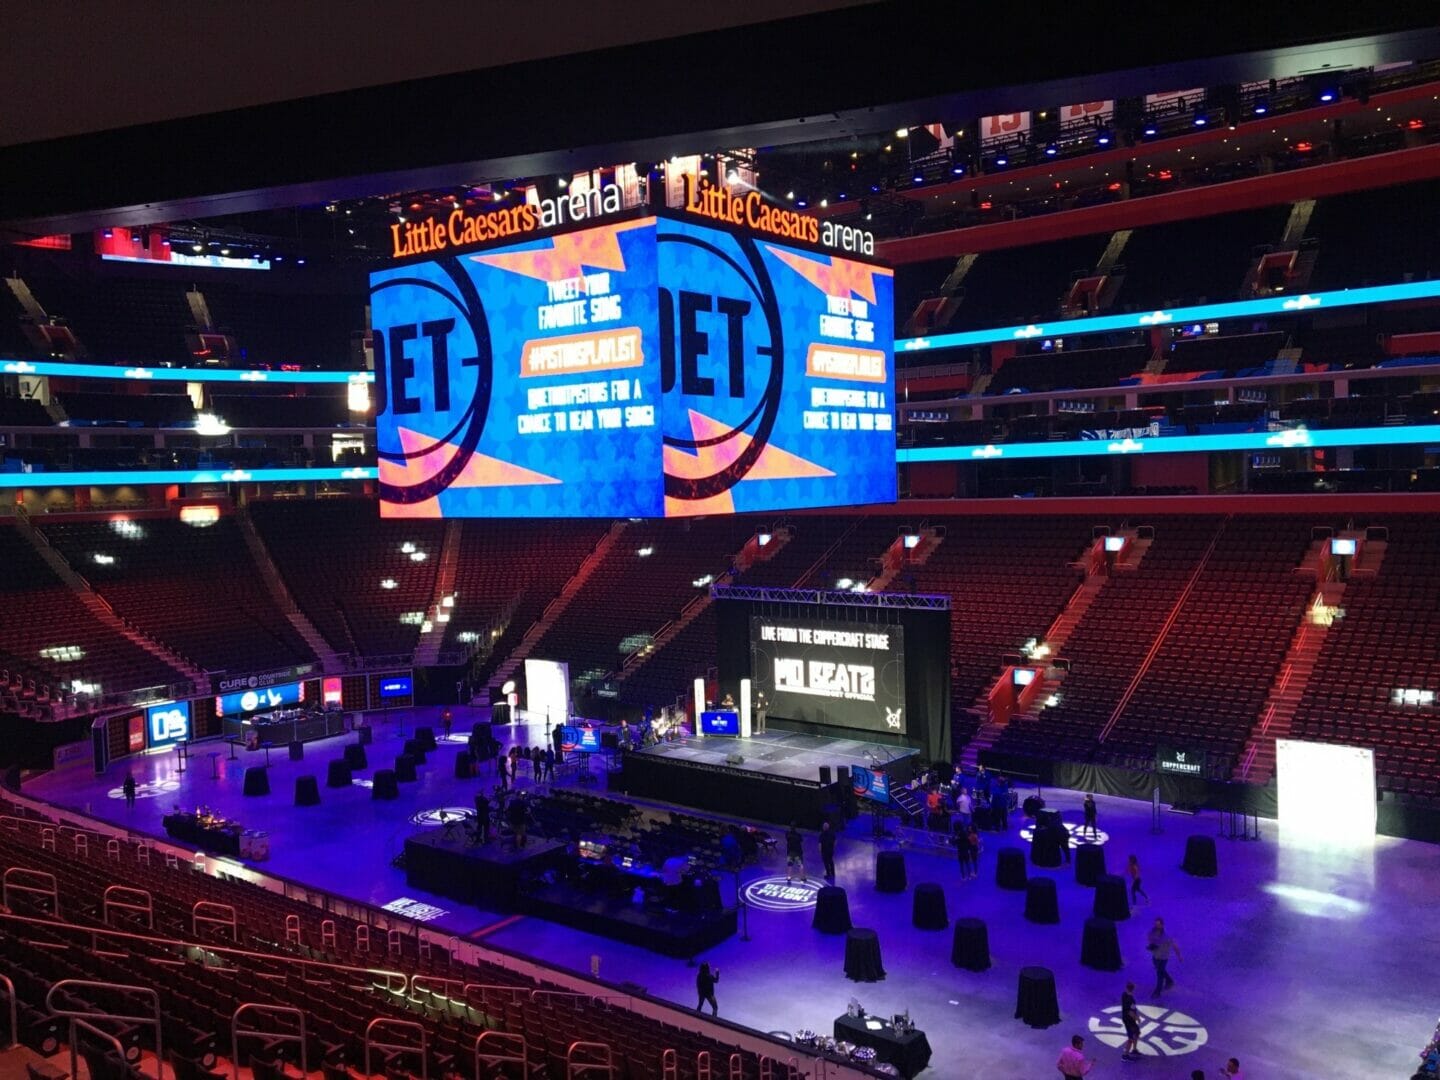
747,557
101,610
427,650
556,607
330,661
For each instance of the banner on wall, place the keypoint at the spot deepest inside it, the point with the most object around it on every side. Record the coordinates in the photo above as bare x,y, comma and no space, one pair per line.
1099,112
1004,128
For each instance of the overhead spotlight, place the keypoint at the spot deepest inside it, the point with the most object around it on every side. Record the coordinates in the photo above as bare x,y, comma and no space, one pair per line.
1103,136
732,177
1328,94
918,178
790,195
1201,119
957,170
299,262
801,203
197,248
454,205
824,203
1002,161
1150,131
1260,108
874,189
562,183
1051,150
224,251
902,133
842,196
107,233
869,216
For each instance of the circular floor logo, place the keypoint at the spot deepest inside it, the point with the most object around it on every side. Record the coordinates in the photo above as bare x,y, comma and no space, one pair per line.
777,894
1163,1032
1079,836
150,789
442,815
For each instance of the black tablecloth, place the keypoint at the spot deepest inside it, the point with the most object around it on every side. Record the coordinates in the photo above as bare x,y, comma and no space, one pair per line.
928,907
1036,1003
464,765
1049,819
297,751
384,785
413,749
1100,947
355,757
425,736
890,871
1089,864
1033,806
1041,904
909,1053
990,818
971,947
1200,857
257,780
307,791
1111,899
832,910
862,956
1010,869
405,769
338,775
1045,846
224,840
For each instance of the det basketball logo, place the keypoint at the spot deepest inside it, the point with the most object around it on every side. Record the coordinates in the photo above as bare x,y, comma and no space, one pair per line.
433,371
1163,1032
777,894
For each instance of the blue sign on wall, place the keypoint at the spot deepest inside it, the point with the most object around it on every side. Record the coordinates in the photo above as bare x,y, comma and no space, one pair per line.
395,686
260,699
167,723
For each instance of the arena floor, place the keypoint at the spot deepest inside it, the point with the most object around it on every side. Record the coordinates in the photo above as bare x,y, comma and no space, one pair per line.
1302,963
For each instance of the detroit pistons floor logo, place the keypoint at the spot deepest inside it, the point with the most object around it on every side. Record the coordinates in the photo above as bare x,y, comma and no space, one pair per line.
433,377
722,358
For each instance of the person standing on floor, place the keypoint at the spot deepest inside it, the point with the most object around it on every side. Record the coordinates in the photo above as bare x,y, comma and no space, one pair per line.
1231,1071
1090,812
1073,1063
794,854
518,814
964,852
1160,945
550,764
1130,1016
975,848
705,980
827,851
1132,868
128,787
482,818
962,807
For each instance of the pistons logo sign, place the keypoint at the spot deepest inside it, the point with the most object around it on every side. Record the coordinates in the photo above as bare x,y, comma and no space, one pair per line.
722,357
432,379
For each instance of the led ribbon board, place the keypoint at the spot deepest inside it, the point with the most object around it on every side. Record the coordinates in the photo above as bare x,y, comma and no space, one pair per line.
140,373
643,368
1184,316
179,476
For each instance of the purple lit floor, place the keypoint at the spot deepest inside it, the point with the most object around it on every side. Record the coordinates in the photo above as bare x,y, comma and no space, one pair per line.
1302,964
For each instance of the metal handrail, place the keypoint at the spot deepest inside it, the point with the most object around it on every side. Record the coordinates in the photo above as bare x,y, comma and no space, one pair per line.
98,932
423,984
14,1011
503,1056
152,1020
737,1067
277,1036
669,1064
125,898
408,1025
8,883
85,1025
219,918
574,1069
702,1065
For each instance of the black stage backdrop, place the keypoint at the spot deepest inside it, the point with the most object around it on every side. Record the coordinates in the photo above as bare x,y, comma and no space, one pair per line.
927,665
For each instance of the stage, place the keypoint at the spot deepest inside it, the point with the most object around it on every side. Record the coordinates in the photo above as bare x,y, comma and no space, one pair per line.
777,778
490,875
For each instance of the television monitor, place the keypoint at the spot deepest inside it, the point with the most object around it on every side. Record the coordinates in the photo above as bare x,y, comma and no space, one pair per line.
396,686
720,722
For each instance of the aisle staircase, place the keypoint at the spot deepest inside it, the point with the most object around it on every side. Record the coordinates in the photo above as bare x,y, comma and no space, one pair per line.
427,649
330,662
101,610
555,608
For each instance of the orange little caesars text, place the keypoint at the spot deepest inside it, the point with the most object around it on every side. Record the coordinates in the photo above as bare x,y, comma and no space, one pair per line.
749,210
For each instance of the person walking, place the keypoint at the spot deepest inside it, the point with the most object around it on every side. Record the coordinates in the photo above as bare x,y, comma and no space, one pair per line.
550,764
965,852
1132,868
1090,812
975,848
1073,1063
794,854
1130,1017
128,787
501,766
827,851
1160,945
962,807
705,980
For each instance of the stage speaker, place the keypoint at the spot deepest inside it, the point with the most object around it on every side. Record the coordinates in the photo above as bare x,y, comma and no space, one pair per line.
734,759
825,777
847,790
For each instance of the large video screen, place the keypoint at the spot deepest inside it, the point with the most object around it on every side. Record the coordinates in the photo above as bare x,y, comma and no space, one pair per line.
521,381
841,674
644,368
777,374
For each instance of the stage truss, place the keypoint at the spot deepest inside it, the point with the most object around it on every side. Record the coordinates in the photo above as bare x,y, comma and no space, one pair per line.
832,597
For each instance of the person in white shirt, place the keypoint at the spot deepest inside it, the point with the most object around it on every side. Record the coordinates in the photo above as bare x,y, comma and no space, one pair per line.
1073,1063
